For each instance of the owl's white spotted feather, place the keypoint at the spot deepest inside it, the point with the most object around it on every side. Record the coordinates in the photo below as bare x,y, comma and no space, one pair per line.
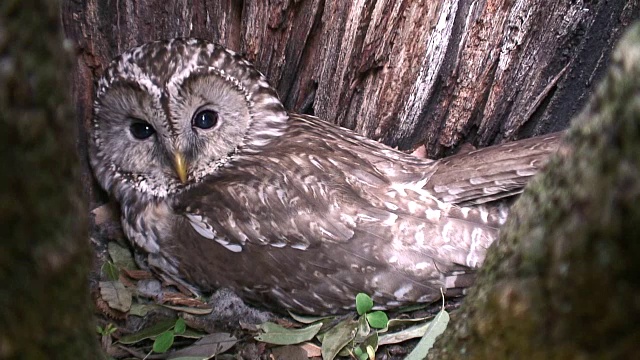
222,188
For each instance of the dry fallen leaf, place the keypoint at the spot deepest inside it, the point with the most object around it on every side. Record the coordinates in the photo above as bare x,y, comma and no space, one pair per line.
116,295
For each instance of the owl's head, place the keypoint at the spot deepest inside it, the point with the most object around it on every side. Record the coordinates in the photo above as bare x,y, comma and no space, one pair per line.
168,113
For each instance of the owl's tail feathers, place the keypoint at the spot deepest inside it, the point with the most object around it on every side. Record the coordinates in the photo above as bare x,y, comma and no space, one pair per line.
491,173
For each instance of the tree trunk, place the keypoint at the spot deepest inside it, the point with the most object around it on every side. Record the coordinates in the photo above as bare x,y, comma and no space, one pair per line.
408,73
45,310
438,73
563,280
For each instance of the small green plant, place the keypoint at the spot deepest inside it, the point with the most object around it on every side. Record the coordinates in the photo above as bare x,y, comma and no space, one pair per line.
163,342
362,355
164,332
105,335
365,343
107,330
356,337
376,319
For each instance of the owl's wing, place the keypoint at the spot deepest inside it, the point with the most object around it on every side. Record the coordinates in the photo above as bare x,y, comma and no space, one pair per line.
403,248
464,179
491,173
265,208
277,204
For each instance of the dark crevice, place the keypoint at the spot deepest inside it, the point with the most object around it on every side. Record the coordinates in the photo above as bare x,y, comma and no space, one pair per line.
296,83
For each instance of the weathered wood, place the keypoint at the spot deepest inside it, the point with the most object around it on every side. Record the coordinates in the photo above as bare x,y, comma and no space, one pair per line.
45,310
438,73
562,282
406,72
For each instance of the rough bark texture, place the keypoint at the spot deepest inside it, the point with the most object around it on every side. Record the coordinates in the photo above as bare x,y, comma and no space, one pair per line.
563,281
45,310
405,72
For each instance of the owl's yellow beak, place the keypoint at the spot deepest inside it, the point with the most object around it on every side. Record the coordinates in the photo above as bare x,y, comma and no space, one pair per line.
180,166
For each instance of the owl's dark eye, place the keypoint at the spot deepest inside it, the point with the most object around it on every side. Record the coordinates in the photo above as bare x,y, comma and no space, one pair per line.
205,119
141,130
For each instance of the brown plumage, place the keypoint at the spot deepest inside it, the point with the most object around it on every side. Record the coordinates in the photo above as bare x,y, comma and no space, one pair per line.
287,210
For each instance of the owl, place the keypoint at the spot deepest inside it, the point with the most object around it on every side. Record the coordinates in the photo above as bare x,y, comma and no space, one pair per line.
219,186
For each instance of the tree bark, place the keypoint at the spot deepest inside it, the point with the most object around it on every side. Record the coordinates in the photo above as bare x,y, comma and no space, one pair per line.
45,310
408,73
563,280
438,73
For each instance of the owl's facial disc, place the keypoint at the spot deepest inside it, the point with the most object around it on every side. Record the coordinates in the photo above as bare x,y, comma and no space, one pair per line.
169,113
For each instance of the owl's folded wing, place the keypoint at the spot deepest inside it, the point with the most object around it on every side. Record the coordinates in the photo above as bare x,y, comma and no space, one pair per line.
261,212
307,213
491,173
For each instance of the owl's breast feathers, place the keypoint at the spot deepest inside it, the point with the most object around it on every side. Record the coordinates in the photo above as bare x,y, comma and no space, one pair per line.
321,214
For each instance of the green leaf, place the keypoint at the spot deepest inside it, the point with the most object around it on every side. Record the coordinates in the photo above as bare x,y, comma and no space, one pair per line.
308,319
163,342
378,319
436,327
110,270
180,326
148,333
110,329
337,338
357,351
278,335
121,256
364,304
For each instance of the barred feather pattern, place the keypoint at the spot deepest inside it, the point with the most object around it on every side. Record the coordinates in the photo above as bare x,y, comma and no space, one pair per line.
287,210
